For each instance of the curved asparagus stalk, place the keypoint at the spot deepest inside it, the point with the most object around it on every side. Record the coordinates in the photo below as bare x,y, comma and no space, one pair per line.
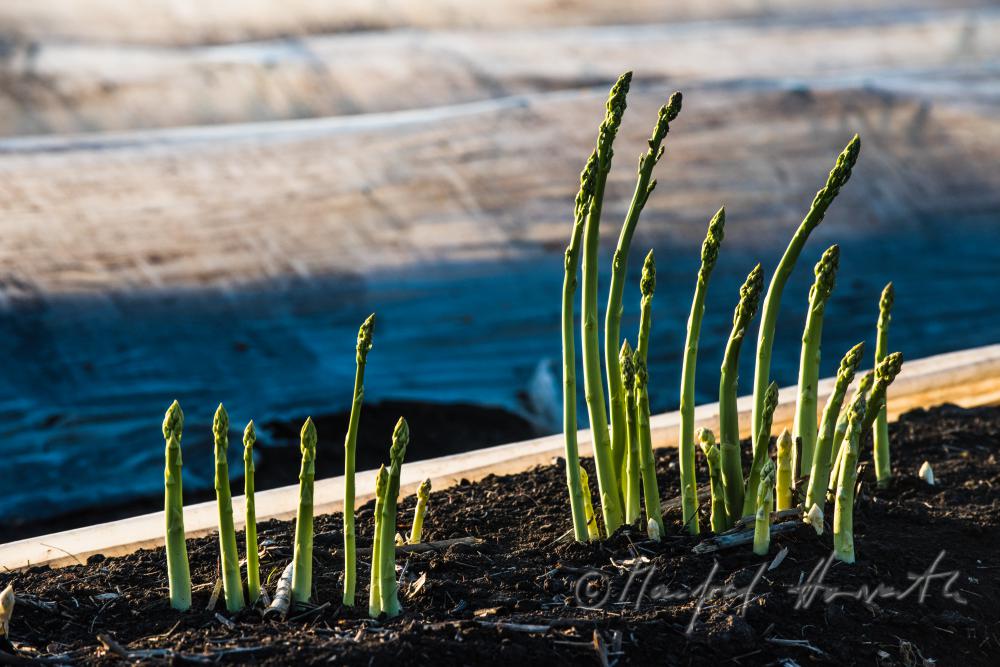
783,475
630,475
764,507
572,263
423,495
839,176
729,424
709,255
843,512
607,475
883,468
719,519
885,372
253,564
303,553
805,427
178,571
374,588
232,583
593,530
840,431
388,588
350,447
819,476
619,267
650,488
760,454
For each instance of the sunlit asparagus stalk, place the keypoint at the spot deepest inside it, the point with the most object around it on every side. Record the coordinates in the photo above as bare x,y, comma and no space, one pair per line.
178,571
253,564
762,513
819,476
843,512
388,588
685,454
619,267
364,344
719,519
631,481
650,489
232,583
593,530
885,372
572,263
761,454
840,431
805,428
883,468
303,553
839,176
423,495
729,422
783,475
607,474
374,588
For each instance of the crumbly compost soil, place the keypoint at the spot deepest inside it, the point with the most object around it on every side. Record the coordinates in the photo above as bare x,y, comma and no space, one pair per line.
510,600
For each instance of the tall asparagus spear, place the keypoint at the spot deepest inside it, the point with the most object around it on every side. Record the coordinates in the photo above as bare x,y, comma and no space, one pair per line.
805,415
630,479
843,512
613,317
819,476
364,344
729,423
839,176
760,454
762,512
388,588
572,263
178,571
607,475
718,517
253,564
650,488
303,553
840,430
232,583
374,588
883,468
709,255
783,474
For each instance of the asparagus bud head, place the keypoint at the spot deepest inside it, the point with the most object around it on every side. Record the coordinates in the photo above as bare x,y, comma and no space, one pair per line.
647,285
838,177
400,440
365,335
826,274
307,441
710,246
615,109
220,427
173,422
628,368
249,439
885,305
850,362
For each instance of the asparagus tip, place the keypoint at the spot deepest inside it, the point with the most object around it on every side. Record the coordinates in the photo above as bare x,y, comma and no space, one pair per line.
628,368
400,440
365,334
647,285
308,435
849,364
220,423
173,421
750,293
826,274
713,240
889,368
424,490
926,473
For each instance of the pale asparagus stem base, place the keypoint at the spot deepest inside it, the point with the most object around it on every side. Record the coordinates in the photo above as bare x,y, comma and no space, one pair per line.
232,582
762,515
843,513
364,344
593,530
303,552
761,453
783,475
718,517
650,488
178,570
881,454
253,564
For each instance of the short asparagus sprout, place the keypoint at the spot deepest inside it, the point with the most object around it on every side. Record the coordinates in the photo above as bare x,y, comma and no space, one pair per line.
7,600
805,427
232,583
719,519
613,317
607,474
761,454
653,530
885,372
685,450
593,530
178,571
926,473
253,564
303,553
374,588
423,495
765,505
388,587
364,345
631,481
837,451
729,423
843,512
838,177
572,263
783,476
819,476
647,287
883,467
650,488
814,517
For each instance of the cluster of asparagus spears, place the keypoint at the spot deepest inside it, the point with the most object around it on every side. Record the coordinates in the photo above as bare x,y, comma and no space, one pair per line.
383,596
621,432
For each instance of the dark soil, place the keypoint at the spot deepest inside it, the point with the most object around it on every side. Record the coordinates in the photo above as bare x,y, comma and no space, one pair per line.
511,600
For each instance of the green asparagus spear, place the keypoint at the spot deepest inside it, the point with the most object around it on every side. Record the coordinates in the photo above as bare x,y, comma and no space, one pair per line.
178,572
253,565
630,477
805,427
685,454
303,553
613,317
729,424
388,588
843,513
607,475
764,507
364,344
719,518
760,455
374,592
572,262
840,431
593,530
783,475
647,286
839,176
423,495
232,583
885,372
650,488
883,468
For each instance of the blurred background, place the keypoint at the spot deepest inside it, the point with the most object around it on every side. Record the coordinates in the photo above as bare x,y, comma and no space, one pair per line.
203,201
